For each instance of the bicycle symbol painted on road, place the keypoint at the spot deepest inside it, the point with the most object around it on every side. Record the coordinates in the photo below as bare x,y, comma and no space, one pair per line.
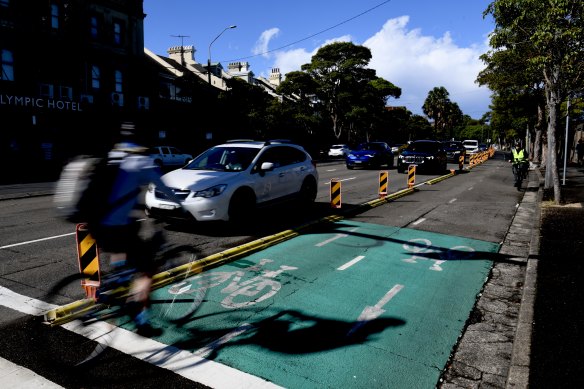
422,247
239,293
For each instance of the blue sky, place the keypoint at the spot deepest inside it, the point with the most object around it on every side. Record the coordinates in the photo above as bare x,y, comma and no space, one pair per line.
416,44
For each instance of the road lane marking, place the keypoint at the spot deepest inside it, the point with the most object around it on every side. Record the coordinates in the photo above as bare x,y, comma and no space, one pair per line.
420,220
36,240
204,352
341,180
451,201
181,362
351,262
373,312
471,188
337,236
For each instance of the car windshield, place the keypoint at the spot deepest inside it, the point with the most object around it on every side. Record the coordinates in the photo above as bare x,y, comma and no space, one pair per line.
228,159
370,146
337,146
471,143
423,147
453,145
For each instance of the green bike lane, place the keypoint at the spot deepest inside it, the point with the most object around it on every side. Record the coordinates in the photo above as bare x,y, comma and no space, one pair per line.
354,304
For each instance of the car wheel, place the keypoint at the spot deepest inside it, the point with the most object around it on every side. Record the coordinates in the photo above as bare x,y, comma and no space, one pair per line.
242,205
308,191
349,167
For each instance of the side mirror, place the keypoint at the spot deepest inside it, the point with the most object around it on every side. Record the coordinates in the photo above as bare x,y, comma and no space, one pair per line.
267,166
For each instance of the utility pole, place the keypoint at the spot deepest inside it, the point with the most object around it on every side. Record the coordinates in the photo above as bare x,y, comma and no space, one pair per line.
182,47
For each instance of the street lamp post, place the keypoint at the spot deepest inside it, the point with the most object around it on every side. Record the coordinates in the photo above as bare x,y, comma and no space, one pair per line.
209,58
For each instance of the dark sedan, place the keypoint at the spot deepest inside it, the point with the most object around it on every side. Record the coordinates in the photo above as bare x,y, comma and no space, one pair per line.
428,155
370,154
454,149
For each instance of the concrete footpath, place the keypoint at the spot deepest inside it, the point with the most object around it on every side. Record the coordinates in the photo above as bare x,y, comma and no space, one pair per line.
496,349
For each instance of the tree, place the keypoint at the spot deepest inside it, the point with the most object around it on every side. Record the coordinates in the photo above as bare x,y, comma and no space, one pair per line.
553,32
518,98
341,73
445,113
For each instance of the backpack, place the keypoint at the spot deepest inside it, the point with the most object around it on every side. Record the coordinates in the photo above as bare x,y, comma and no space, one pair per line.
83,189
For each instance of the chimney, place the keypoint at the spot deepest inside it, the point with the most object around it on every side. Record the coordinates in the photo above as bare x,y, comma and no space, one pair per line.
275,77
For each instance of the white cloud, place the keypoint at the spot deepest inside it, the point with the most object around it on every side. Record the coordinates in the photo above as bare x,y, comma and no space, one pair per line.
292,60
262,44
415,63
418,63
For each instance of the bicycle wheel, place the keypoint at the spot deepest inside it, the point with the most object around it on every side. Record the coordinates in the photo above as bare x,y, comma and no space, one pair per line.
178,302
179,299
86,331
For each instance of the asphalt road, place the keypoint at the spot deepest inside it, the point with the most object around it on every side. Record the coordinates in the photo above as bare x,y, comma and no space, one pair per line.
478,205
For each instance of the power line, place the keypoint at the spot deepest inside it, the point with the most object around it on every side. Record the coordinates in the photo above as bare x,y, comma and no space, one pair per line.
313,35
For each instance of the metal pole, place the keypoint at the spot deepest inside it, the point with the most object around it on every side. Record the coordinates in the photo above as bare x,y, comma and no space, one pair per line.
566,141
209,57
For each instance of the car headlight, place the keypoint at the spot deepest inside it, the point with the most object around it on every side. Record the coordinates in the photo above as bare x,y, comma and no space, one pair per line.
430,157
351,156
151,187
211,192
401,156
370,155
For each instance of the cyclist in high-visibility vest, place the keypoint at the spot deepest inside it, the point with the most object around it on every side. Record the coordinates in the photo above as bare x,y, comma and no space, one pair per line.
520,163
519,154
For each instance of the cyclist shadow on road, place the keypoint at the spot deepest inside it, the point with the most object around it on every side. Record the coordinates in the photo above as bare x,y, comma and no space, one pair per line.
293,332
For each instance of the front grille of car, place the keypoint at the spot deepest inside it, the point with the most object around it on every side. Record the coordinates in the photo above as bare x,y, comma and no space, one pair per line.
413,159
180,193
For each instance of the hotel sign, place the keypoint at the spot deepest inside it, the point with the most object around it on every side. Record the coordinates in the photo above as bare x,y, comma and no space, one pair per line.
39,102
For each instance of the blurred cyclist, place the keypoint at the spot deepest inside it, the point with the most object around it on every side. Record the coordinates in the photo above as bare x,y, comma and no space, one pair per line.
118,232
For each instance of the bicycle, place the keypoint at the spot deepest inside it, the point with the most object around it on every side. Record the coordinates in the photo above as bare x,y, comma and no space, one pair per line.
94,306
519,169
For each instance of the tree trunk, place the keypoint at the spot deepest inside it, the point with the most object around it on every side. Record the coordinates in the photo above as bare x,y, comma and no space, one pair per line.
537,143
553,97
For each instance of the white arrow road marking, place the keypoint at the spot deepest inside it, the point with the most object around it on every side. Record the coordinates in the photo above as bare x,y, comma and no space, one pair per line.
373,312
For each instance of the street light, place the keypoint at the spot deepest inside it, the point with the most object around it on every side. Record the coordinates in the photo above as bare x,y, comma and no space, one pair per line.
209,59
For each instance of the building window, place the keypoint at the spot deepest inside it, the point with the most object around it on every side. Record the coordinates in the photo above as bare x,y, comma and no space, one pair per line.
46,91
54,16
118,81
94,27
95,77
7,66
66,93
118,33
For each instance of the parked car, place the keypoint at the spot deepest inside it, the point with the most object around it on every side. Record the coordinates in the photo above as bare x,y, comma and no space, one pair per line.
428,155
454,149
338,151
370,154
471,146
228,181
396,148
165,156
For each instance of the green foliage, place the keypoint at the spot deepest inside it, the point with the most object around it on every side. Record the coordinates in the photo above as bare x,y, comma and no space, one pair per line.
445,113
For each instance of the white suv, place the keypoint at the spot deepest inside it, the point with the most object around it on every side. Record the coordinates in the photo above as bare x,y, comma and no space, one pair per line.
471,146
165,156
340,151
230,180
